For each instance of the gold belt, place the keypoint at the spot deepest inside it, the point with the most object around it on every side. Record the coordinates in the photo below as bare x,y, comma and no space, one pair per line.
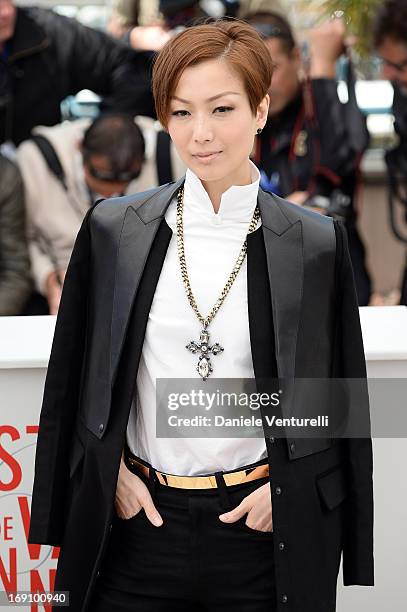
203,482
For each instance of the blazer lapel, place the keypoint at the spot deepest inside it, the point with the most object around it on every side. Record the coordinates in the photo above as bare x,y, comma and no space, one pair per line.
262,339
285,264
140,226
283,244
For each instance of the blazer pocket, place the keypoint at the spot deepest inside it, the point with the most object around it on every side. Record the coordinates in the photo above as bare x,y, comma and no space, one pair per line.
333,487
76,455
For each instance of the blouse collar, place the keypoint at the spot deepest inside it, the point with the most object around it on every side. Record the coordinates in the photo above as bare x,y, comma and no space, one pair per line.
237,203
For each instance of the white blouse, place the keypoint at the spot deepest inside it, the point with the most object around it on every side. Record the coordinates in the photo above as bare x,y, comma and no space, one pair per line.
212,245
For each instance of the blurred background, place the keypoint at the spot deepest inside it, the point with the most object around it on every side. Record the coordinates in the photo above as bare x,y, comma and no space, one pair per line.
377,225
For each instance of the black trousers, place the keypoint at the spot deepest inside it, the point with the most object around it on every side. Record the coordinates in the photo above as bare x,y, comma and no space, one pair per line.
193,562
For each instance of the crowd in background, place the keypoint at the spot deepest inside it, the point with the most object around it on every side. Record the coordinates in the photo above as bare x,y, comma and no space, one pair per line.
51,170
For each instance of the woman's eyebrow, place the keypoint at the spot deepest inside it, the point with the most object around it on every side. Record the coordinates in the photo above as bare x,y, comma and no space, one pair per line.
225,93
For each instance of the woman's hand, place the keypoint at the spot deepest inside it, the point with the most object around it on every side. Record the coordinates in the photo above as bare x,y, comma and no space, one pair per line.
257,505
132,495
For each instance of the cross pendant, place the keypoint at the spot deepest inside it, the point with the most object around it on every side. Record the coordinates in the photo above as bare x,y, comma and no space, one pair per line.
204,367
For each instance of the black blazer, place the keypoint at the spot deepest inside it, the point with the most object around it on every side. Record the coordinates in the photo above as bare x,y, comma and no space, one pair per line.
304,322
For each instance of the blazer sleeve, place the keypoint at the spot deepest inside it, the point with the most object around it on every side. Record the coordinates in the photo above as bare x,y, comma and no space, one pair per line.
358,565
60,399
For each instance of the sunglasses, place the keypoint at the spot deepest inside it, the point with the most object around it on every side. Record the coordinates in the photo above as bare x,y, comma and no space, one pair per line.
400,67
110,176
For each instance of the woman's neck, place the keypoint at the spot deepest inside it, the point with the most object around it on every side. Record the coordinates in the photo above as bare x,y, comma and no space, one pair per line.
215,189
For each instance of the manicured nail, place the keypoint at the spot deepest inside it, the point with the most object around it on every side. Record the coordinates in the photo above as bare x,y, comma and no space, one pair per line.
157,520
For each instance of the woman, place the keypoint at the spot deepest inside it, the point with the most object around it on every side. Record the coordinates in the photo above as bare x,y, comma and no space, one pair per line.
179,523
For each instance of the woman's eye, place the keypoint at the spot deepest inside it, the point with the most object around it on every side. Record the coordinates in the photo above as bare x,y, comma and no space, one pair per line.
180,113
224,109
221,109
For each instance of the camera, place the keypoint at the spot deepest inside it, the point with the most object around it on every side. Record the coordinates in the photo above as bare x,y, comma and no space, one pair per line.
338,205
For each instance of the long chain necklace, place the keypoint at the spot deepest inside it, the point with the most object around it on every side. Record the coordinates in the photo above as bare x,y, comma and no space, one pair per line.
202,347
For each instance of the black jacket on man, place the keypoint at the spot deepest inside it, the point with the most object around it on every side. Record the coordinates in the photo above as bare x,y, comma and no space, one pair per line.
50,57
397,164
309,147
307,143
304,322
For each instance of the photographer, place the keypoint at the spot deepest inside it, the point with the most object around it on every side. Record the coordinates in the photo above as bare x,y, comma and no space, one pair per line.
45,57
69,166
304,153
390,41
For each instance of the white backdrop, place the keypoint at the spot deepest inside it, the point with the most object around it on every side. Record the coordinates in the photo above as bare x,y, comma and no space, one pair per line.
24,351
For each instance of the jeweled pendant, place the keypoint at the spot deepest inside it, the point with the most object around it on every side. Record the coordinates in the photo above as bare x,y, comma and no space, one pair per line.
204,367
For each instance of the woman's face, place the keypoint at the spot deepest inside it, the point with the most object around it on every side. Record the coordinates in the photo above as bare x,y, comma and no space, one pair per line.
211,123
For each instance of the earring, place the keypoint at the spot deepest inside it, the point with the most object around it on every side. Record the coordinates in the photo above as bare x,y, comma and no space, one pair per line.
259,130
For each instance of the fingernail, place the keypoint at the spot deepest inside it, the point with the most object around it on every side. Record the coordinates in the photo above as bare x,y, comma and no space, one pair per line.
157,520
224,517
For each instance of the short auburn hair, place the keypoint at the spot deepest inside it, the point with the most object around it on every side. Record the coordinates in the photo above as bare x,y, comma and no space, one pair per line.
230,39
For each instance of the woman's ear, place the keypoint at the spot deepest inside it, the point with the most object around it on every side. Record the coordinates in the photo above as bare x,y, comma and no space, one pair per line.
262,111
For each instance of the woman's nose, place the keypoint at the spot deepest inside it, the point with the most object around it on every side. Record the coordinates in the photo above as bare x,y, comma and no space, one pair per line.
202,130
